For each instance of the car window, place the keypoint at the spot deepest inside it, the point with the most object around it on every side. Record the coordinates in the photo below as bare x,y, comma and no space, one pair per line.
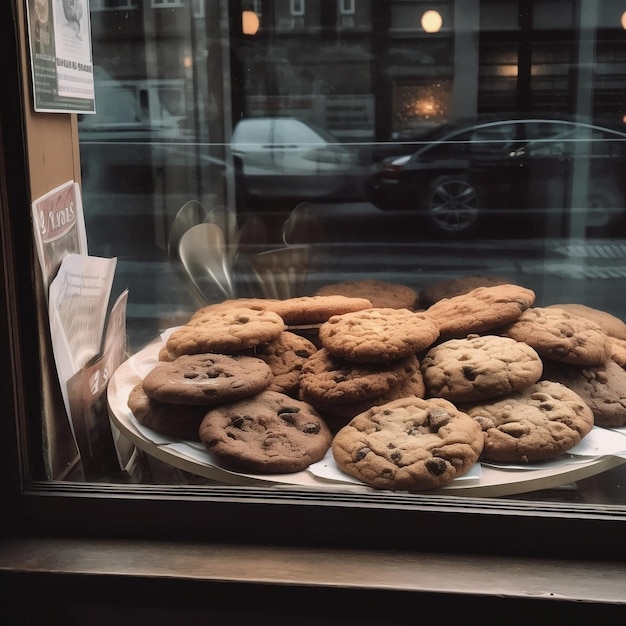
295,132
457,145
567,140
493,139
252,131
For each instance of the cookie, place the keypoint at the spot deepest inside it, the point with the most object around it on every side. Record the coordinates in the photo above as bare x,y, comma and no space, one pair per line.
341,414
379,292
410,444
613,326
316,309
452,287
173,420
618,351
330,380
602,388
479,367
164,355
270,433
480,310
227,330
285,357
256,304
206,379
560,336
538,423
375,335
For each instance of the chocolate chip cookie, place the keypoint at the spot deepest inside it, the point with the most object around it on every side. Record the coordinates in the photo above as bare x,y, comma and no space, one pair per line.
173,420
410,444
330,380
316,309
480,310
256,304
613,326
227,331
413,386
603,388
207,379
380,293
478,367
375,335
560,336
451,287
270,433
539,423
285,357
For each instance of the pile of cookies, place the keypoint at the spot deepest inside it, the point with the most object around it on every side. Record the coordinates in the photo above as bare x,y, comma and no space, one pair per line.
408,390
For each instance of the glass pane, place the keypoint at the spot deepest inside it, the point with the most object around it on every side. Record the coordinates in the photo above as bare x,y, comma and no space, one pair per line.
274,154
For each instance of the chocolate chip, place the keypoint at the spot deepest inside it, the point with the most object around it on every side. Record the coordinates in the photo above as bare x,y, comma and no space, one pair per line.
396,456
311,429
470,373
436,466
438,418
287,414
362,453
238,422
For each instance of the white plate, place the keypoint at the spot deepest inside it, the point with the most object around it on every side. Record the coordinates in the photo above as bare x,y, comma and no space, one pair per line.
482,481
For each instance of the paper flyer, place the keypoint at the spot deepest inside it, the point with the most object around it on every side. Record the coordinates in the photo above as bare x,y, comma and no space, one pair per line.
59,227
61,56
103,451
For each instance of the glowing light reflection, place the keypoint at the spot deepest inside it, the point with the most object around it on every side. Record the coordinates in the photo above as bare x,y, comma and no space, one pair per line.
249,22
432,21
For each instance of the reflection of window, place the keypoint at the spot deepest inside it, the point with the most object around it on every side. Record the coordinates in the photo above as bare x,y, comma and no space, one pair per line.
295,132
452,147
160,4
198,8
296,7
104,5
493,139
346,7
417,106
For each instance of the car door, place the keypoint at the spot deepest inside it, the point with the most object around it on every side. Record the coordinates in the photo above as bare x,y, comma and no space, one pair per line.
252,149
309,162
491,165
546,163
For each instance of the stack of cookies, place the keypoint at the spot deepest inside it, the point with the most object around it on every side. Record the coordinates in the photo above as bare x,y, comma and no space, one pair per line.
408,398
230,378
174,396
367,358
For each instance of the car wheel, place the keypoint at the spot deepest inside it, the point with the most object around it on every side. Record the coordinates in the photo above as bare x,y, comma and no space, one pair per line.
453,204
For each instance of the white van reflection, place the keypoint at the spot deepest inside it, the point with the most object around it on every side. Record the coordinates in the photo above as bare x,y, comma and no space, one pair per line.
285,157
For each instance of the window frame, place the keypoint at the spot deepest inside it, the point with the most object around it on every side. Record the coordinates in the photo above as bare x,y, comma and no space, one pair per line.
297,517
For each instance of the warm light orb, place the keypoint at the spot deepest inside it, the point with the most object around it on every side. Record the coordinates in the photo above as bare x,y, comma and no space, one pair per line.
432,21
249,22
624,20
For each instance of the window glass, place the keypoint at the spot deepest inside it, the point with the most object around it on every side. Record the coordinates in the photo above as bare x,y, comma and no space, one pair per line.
262,152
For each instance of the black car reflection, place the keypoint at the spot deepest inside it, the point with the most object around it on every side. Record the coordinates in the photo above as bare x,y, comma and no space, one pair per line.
461,175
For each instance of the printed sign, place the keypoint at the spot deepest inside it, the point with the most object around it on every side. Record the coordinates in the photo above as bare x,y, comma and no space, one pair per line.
61,56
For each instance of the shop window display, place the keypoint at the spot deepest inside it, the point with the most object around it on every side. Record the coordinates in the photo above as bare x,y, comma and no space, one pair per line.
373,251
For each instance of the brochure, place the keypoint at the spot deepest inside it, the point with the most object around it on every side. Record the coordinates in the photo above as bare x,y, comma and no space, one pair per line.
87,349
